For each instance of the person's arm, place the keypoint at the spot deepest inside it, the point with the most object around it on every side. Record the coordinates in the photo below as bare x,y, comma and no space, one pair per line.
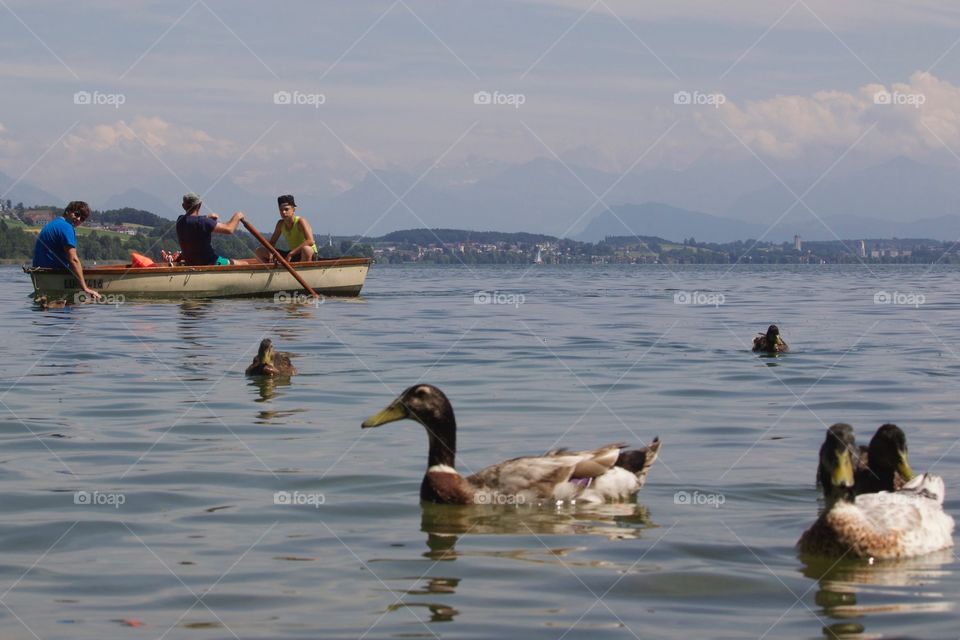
308,233
231,226
77,269
276,233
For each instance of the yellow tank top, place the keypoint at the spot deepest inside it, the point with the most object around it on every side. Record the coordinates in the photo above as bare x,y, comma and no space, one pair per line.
294,236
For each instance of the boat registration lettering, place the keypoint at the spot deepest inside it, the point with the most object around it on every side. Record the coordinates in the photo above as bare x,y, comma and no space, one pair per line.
71,283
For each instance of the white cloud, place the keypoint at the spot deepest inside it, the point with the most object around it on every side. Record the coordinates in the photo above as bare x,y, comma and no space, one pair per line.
914,118
159,135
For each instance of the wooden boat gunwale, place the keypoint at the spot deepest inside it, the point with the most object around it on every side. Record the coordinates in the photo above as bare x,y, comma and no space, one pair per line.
114,269
332,276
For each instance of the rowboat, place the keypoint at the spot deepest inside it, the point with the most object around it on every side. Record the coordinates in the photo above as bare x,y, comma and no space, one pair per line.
334,277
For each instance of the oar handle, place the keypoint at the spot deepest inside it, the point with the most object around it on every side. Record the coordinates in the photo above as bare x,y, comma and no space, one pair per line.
276,254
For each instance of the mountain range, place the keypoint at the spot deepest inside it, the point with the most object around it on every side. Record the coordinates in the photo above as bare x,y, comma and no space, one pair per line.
713,200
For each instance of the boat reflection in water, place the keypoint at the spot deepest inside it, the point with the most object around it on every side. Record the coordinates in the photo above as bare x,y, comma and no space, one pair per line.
845,583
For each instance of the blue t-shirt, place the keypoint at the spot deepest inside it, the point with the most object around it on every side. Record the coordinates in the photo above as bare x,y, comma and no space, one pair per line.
195,236
51,248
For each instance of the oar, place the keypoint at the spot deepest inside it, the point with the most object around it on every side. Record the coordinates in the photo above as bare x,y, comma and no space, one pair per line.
276,254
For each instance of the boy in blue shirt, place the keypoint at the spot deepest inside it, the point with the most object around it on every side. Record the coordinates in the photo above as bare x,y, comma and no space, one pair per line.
56,246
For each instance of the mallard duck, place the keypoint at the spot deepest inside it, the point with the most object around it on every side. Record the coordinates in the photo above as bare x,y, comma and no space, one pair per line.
884,525
883,466
268,362
45,303
607,473
837,450
770,342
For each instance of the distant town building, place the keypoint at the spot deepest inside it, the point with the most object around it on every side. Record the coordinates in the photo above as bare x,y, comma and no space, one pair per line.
38,217
797,243
863,249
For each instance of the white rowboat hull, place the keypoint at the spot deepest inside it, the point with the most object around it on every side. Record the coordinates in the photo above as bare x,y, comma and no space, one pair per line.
337,277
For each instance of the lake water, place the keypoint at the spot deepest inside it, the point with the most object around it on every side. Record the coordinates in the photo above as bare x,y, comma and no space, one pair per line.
139,464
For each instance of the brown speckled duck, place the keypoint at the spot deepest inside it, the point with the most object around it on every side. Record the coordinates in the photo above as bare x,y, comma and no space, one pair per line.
770,342
268,362
885,525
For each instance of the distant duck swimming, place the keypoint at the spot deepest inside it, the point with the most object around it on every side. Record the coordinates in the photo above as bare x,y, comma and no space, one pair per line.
770,342
606,473
885,525
268,362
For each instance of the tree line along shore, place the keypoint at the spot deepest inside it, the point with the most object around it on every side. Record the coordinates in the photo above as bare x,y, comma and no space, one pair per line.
112,235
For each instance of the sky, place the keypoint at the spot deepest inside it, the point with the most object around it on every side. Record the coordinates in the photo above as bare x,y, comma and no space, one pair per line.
307,97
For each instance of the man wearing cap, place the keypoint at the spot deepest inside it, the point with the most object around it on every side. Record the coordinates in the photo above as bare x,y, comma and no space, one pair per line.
195,233
295,230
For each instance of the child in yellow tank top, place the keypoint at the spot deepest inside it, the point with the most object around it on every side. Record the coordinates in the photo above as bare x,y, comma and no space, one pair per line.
295,230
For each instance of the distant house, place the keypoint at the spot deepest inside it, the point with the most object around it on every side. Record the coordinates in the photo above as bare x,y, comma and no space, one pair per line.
38,217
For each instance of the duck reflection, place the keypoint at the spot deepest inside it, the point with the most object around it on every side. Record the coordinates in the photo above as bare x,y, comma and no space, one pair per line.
266,387
444,524
438,612
841,582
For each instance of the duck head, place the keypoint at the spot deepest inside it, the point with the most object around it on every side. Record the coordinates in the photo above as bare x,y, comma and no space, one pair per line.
265,353
773,336
887,454
836,461
429,406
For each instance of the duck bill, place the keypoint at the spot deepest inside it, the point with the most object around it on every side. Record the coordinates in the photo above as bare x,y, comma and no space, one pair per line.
842,477
394,412
904,467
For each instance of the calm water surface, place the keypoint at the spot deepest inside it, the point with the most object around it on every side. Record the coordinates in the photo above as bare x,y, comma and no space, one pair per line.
139,466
